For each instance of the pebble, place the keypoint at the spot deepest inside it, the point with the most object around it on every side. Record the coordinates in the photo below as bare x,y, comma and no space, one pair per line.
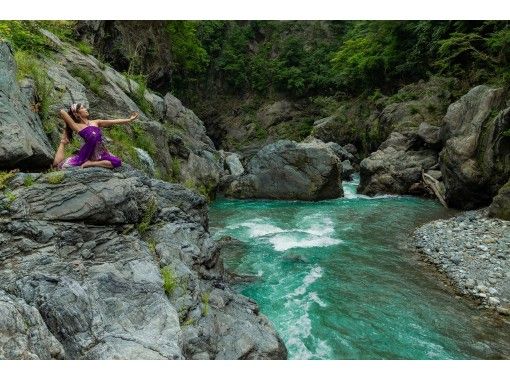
493,301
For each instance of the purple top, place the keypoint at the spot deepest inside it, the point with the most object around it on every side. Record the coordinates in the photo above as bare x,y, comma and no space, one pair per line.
93,149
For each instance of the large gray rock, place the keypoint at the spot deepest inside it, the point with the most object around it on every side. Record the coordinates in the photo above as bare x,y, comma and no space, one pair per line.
202,169
185,118
500,206
234,164
22,140
290,170
395,167
430,134
475,158
86,280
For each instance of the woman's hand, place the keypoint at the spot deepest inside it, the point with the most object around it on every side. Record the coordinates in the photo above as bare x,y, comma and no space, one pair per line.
134,115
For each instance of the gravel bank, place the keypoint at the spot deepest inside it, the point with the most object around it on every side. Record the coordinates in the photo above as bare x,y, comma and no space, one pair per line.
473,251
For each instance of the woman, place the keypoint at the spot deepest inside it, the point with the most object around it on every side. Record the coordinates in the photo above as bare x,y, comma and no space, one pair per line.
93,152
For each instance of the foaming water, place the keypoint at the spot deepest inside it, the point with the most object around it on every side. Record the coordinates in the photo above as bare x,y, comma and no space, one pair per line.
336,283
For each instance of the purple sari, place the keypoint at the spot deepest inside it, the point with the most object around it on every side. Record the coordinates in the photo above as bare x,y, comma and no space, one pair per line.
93,149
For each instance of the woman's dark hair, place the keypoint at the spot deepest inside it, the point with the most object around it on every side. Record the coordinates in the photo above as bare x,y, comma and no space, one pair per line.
73,112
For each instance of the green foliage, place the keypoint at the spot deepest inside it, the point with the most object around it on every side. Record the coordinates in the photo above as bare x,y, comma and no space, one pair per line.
170,280
201,188
85,47
152,245
93,81
205,297
126,139
148,216
11,197
5,178
55,178
176,168
186,49
28,180
138,92
29,66
188,322
141,140
24,35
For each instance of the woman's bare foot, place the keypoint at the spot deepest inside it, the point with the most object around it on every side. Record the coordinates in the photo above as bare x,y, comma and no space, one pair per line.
102,164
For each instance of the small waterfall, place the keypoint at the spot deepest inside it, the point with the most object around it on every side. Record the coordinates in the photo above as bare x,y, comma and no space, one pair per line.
146,160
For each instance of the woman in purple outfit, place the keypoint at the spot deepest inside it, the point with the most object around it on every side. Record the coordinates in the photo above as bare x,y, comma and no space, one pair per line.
93,152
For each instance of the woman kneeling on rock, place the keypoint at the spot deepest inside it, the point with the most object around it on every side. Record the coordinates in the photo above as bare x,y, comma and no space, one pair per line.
93,152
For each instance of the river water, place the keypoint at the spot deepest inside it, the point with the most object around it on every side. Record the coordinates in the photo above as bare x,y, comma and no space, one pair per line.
337,282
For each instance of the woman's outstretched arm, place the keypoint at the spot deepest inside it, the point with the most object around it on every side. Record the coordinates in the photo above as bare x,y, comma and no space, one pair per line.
69,121
107,123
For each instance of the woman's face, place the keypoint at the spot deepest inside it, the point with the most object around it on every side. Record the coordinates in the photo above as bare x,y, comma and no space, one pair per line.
82,112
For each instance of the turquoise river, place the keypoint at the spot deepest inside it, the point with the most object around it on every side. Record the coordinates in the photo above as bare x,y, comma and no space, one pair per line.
337,281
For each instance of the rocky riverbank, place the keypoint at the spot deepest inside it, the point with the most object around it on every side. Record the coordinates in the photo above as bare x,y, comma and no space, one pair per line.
473,251
101,264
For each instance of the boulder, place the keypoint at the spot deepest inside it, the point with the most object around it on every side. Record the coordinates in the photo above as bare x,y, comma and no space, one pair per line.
429,134
203,169
351,148
290,170
347,170
185,118
423,101
234,164
500,206
475,158
22,140
395,167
